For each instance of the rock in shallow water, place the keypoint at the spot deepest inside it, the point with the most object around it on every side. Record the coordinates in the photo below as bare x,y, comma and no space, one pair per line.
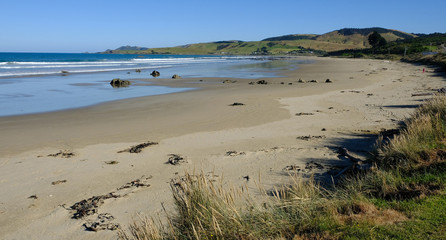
116,83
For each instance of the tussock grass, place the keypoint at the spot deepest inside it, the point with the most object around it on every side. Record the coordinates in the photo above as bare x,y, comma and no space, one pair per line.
403,197
422,141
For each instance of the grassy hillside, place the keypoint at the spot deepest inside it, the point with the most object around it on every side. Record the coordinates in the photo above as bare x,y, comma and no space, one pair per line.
359,37
301,44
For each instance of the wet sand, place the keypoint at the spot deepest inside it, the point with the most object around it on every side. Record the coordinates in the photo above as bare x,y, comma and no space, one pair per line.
281,124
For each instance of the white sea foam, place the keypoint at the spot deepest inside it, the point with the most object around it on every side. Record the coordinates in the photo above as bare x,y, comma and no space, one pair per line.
30,68
9,74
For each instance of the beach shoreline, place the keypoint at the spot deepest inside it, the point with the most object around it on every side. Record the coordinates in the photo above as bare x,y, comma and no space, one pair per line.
279,124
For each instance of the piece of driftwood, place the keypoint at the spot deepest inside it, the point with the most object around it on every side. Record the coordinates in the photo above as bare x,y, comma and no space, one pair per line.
356,163
421,94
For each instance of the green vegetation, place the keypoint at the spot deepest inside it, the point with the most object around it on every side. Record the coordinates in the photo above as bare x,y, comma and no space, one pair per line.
294,44
376,40
399,48
401,197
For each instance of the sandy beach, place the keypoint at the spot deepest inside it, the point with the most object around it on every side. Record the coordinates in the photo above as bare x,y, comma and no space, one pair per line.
50,161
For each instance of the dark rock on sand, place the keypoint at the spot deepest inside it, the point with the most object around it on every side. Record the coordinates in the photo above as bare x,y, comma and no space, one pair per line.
313,81
155,73
237,104
117,83
229,81
328,81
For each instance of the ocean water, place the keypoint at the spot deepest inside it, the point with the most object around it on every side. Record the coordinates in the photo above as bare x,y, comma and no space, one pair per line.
43,82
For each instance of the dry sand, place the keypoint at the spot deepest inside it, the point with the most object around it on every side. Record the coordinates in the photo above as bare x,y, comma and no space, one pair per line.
264,136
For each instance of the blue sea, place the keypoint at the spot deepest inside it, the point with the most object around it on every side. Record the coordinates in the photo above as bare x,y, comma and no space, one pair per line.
44,82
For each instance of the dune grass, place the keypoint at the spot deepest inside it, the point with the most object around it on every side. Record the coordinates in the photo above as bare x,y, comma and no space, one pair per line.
403,197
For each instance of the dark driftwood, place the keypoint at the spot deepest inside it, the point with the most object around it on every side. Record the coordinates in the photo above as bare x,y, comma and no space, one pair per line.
356,163
421,94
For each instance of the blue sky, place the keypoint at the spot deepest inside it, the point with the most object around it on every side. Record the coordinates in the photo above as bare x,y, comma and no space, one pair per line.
96,25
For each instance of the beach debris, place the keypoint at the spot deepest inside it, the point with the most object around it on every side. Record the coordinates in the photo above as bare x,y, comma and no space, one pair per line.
102,222
309,137
229,81
387,133
260,82
111,162
64,154
237,104
155,73
356,164
33,196
138,148
309,166
328,81
300,80
175,159
292,168
58,182
234,153
117,83
344,153
138,70
246,177
176,76
440,90
313,81
421,94
304,114
90,206
140,182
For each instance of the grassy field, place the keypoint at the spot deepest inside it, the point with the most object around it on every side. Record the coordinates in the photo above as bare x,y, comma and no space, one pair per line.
401,196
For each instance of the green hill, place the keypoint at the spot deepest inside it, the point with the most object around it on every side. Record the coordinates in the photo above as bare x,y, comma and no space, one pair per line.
359,36
291,37
297,44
